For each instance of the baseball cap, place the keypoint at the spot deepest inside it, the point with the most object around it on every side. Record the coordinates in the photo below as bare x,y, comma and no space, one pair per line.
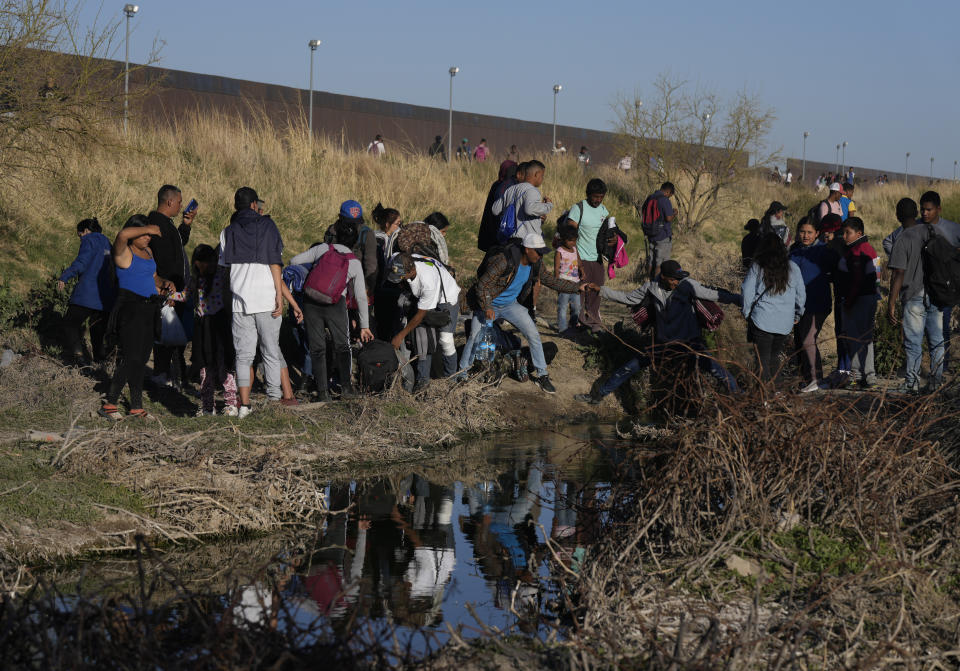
673,270
836,187
350,209
535,241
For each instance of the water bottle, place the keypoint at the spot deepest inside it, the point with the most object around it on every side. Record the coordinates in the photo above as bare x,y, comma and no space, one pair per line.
486,344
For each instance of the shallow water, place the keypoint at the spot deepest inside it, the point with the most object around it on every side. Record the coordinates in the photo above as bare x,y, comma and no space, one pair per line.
413,552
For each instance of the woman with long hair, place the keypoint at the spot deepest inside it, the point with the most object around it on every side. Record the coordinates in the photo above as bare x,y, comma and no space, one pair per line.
773,301
817,262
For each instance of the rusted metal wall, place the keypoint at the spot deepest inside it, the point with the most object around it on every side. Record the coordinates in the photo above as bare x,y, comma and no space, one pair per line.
355,121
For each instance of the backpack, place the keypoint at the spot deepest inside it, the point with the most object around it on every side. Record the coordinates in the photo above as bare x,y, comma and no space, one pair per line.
941,270
327,280
377,362
813,214
651,218
508,224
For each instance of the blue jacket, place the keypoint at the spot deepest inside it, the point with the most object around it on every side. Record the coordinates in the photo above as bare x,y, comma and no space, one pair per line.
817,264
96,287
773,313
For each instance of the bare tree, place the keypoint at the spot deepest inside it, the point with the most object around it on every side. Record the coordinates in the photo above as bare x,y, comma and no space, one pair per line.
57,88
692,137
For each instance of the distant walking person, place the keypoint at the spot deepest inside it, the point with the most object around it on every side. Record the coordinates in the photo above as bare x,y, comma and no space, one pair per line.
93,295
376,147
583,158
559,149
513,154
463,151
481,152
438,149
656,217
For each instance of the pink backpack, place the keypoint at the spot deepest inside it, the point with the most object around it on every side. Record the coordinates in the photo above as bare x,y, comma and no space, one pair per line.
620,259
327,280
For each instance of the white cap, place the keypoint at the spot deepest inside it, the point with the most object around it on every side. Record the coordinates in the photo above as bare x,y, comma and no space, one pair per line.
836,187
535,241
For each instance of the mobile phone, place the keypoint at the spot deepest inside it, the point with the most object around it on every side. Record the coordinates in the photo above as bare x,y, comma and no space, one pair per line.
191,206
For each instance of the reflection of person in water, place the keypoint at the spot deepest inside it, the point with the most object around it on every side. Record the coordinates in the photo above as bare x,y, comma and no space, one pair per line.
501,528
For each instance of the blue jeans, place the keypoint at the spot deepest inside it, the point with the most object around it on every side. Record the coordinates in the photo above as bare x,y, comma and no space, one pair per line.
300,337
517,315
705,362
947,314
919,320
567,303
858,324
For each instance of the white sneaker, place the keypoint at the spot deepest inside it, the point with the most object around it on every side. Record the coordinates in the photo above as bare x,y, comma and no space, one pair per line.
230,411
243,411
813,386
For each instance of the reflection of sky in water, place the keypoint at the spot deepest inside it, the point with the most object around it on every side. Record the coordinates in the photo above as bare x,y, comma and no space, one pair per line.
418,554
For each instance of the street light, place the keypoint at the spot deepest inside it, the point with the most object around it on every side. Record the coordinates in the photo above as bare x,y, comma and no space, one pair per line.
838,158
843,156
129,10
453,73
556,90
906,178
931,168
313,44
803,169
954,171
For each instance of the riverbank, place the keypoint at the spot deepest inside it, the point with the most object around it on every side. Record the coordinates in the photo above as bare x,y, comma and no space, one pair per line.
83,485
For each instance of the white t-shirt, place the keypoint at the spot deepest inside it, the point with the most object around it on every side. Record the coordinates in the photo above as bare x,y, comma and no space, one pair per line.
429,571
376,148
426,285
251,285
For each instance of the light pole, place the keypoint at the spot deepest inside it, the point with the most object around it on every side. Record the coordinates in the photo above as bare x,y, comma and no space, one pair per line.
556,91
803,168
313,44
931,168
129,10
453,73
954,171
906,179
838,158
843,156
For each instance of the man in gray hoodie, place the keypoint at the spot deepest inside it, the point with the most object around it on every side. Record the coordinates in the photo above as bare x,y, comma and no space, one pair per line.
531,207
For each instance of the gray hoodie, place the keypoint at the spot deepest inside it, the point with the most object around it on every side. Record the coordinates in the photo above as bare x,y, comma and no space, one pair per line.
528,203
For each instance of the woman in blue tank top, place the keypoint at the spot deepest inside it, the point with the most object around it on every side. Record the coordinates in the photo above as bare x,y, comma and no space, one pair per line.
136,314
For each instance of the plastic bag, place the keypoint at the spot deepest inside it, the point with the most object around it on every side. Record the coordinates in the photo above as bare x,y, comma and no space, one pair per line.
171,333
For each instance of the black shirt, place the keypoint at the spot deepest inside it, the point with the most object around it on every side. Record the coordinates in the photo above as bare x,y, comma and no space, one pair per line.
168,249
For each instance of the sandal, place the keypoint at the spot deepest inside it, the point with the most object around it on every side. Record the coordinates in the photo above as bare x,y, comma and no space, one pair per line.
138,412
110,412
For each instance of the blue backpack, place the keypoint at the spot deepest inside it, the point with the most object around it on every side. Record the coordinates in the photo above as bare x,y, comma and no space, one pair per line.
508,224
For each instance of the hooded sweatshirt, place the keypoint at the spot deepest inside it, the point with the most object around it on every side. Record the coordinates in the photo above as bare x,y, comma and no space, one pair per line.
96,287
250,245
858,270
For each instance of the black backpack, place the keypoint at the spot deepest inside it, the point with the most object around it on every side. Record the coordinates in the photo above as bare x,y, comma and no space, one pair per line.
813,214
377,362
941,269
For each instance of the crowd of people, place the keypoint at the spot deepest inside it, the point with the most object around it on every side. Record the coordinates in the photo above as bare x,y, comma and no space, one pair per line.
365,302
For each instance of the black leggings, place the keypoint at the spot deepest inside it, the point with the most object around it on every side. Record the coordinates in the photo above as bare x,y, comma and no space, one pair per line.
135,334
769,345
73,330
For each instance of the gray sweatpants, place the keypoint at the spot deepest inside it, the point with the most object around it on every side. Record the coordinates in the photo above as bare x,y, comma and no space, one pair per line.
248,330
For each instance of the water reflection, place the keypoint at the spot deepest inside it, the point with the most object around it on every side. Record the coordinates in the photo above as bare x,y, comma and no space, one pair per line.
421,549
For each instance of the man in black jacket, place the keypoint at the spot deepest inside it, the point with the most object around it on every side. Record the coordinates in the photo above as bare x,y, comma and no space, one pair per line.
173,265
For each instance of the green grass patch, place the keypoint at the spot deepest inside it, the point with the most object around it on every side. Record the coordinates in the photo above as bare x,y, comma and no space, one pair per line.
36,493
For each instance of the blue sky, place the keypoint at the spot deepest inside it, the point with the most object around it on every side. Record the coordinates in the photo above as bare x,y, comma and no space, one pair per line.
877,75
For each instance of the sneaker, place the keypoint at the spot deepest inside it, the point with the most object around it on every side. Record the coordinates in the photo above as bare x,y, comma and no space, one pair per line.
588,398
206,413
869,385
420,386
546,385
230,411
289,402
813,386
906,388
520,371
159,380
110,412
244,411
